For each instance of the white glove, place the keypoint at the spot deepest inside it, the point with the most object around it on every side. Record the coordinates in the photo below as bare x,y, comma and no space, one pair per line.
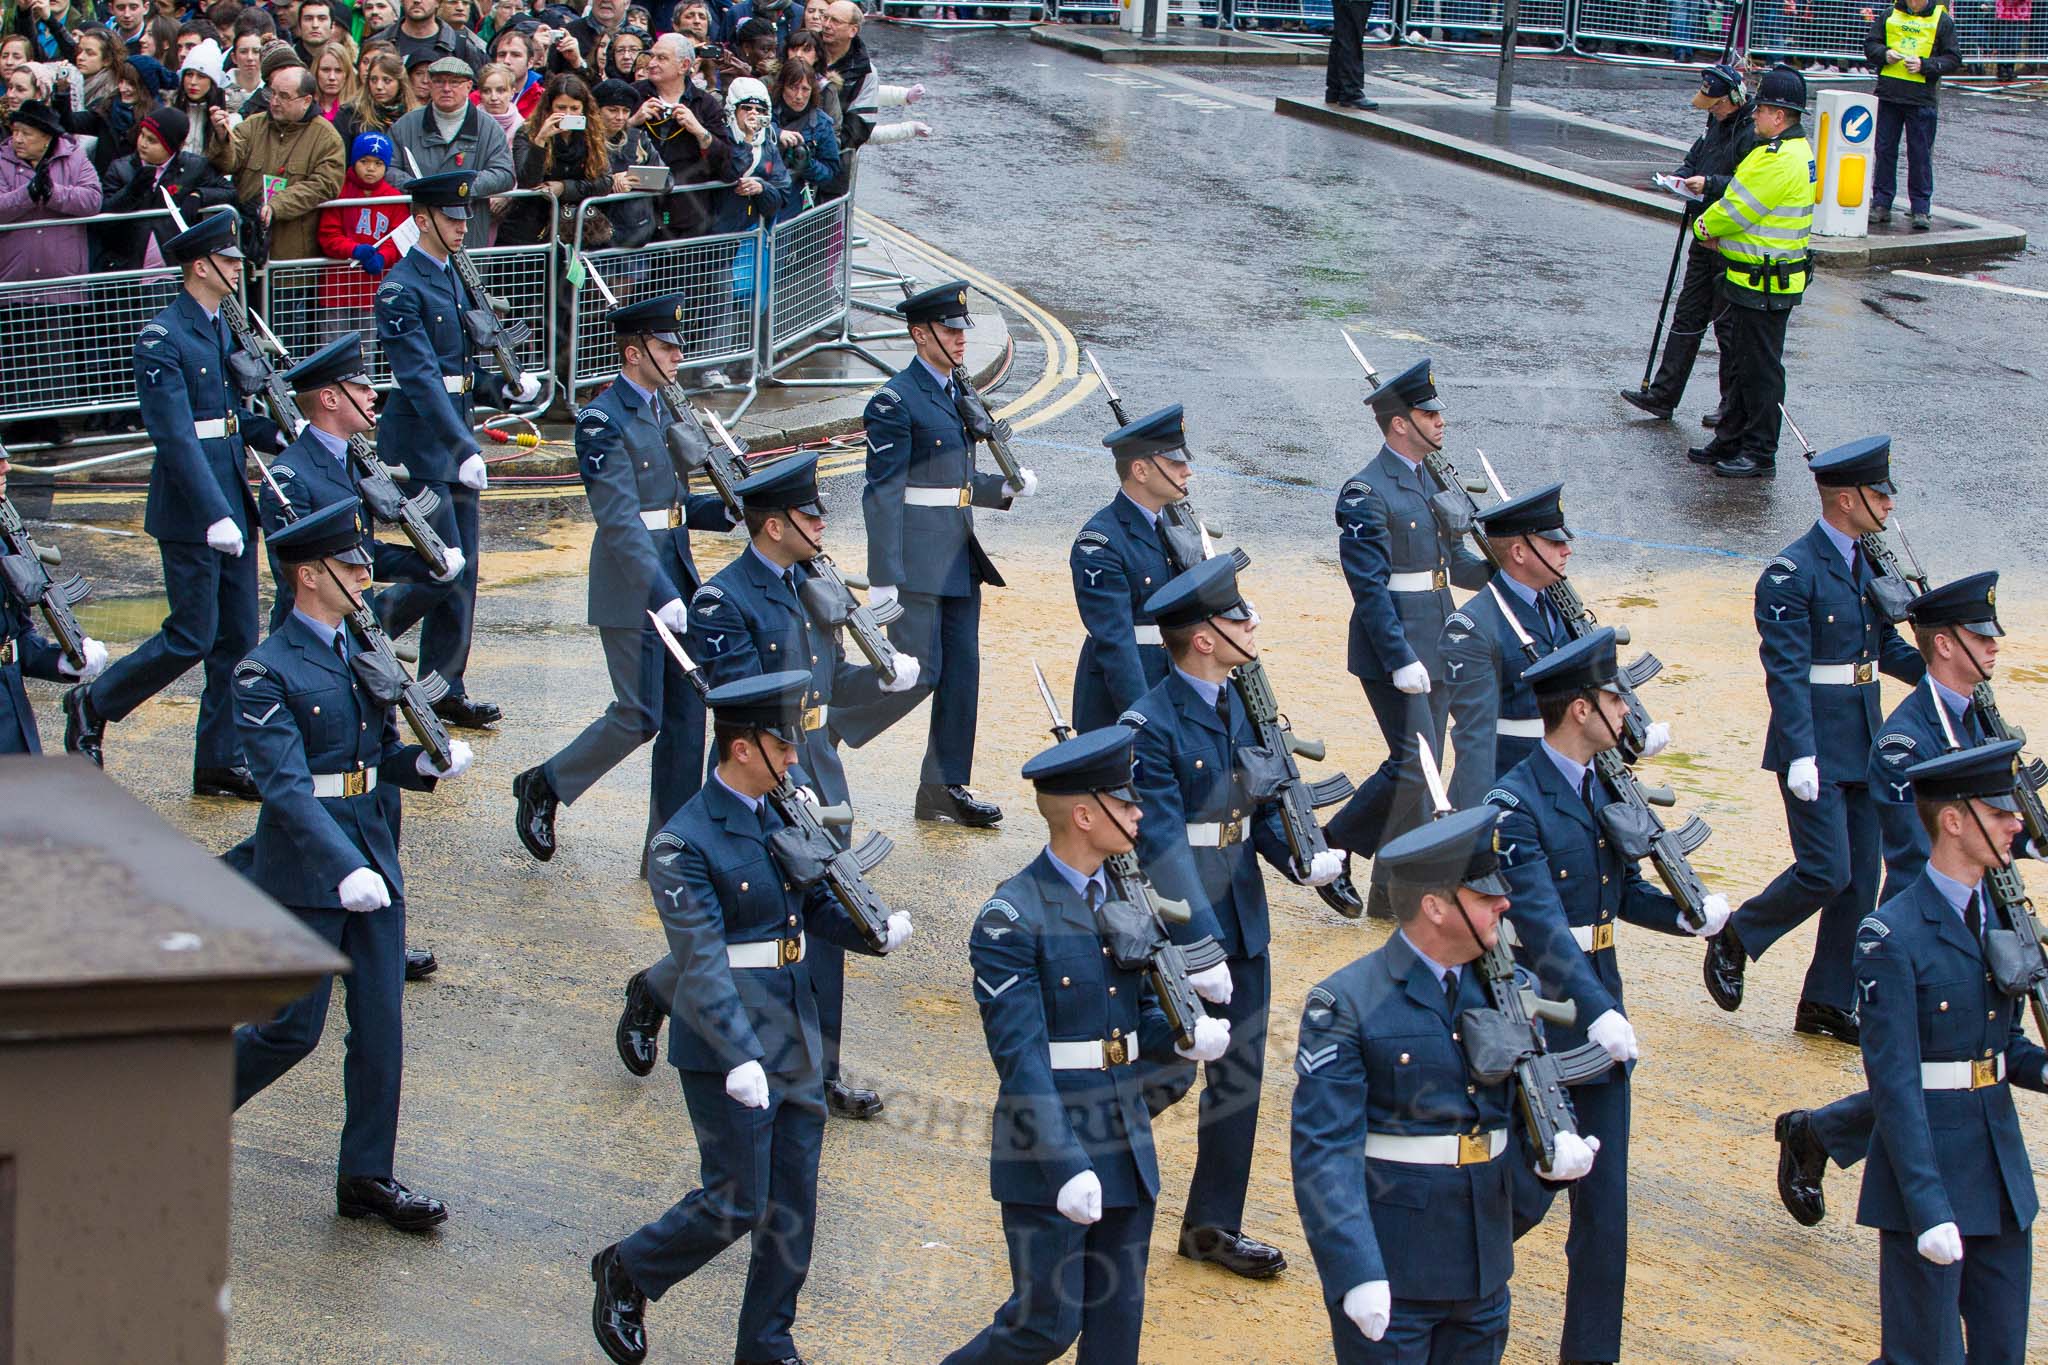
460,756
1942,1244
881,595
1080,1199
1656,739
457,562
1412,679
1717,912
674,615
747,1084
1368,1306
898,932
1324,868
1212,1040
805,794
362,891
1616,1034
474,473
1574,1157
1803,779
1213,984
95,662
526,390
907,671
1030,485
226,537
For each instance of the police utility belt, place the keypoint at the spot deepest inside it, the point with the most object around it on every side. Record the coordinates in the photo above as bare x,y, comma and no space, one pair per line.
1594,938
774,952
1971,1075
662,518
1093,1054
1430,580
213,428
915,496
1219,834
358,783
1842,675
1436,1149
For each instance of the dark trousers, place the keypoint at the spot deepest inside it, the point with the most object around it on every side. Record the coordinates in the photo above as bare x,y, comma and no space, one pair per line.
1344,78
759,1169
1700,306
1068,1281
652,699
1753,381
1228,1127
447,609
1836,863
1596,1248
1928,1309
1917,122
374,1050
1393,800
1844,1127
213,621
944,633
1429,1332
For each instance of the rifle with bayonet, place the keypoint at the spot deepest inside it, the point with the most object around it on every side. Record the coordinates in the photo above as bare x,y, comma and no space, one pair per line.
804,848
376,664
25,572
827,594
983,425
489,324
1455,509
1182,534
1271,774
1143,936
2018,958
1507,1040
1894,588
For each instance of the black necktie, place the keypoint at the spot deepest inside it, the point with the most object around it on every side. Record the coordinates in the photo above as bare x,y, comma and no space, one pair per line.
1973,916
1586,794
1547,613
340,649
1223,706
1451,992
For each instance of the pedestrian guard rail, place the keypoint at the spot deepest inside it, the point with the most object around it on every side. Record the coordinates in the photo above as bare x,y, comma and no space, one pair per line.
753,296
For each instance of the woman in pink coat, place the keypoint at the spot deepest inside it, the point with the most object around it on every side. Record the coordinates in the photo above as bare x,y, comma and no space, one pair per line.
44,179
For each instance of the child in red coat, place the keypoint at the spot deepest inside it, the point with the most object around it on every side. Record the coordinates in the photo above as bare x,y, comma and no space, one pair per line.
353,233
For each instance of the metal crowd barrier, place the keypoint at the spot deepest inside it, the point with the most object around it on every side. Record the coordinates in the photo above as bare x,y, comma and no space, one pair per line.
309,303
1478,23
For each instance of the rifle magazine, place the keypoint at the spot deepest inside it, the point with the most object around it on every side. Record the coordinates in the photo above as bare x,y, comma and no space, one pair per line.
1330,791
1586,1062
869,852
431,686
74,589
1641,669
888,613
1692,834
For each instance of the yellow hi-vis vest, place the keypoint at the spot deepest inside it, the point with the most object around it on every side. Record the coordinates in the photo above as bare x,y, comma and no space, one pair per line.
1911,35
1764,220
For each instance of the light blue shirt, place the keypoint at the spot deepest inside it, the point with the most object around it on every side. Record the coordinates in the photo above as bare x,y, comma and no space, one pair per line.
1845,545
1952,699
1412,464
945,380
1076,880
1521,589
1151,517
1207,691
646,395
1573,770
1436,969
772,566
752,803
1954,892
321,630
337,446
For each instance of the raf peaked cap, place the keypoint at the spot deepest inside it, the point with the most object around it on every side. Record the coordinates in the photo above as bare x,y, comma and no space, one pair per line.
449,192
1969,602
1098,761
338,361
790,483
1414,387
1457,850
657,318
945,304
1859,464
1540,513
213,235
334,532
1985,773
1209,589
769,701
1584,665
1157,434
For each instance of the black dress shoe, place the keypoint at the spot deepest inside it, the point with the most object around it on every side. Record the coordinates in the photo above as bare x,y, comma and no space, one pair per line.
1710,420
1802,1162
420,963
237,782
1636,398
358,1196
1233,1251
535,819
1826,1021
616,1310
955,805
1341,895
1746,467
467,713
1723,969
1702,455
780,1360
1361,102
84,732
639,1032
846,1102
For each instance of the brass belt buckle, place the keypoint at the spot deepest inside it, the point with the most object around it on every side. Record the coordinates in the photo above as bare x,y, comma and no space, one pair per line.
1603,936
792,951
675,515
1474,1149
6,653
1865,673
355,783
1228,832
814,717
1116,1052
966,497
234,423
1438,579
1983,1072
